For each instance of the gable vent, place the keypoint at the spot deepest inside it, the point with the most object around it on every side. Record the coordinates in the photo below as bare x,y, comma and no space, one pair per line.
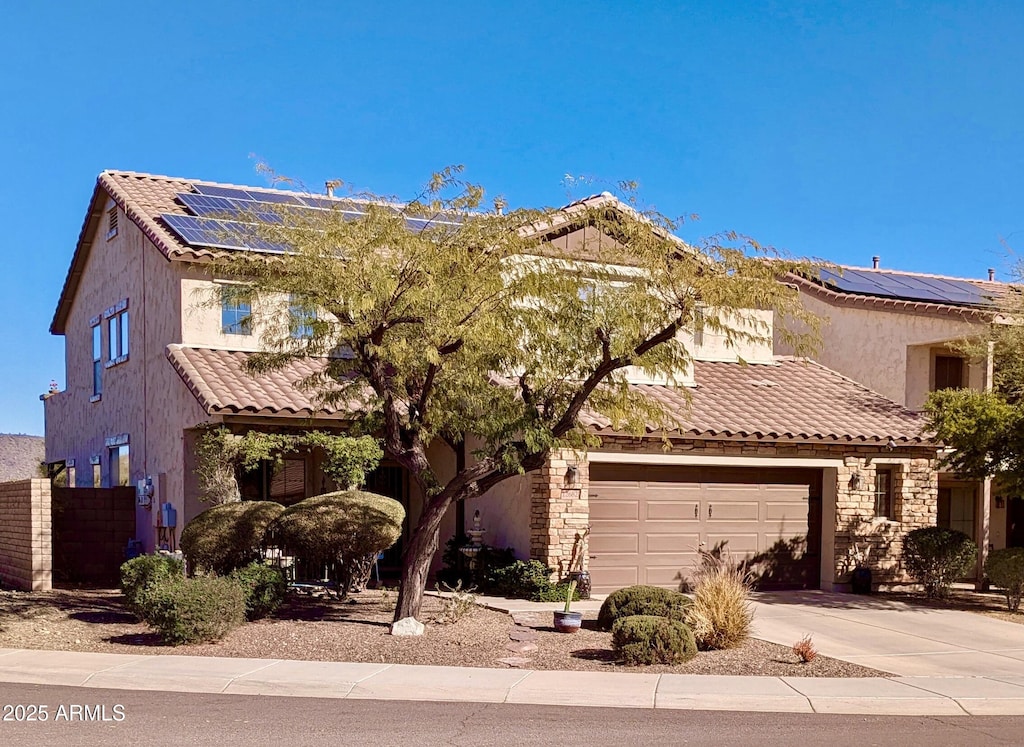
111,223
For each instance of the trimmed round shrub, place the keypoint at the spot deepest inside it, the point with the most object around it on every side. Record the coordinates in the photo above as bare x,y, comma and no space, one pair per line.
341,531
642,600
649,639
936,557
527,579
140,575
228,536
264,587
195,610
1005,569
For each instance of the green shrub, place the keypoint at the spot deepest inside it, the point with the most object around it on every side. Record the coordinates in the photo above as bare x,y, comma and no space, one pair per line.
650,639
194,610
139,576
936,557
642,600
342,531
527,579
228,536
457,568
264,587
720,615
1005,569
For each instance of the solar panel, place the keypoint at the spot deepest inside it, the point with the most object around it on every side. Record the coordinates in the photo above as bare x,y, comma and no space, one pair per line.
220,234
907,287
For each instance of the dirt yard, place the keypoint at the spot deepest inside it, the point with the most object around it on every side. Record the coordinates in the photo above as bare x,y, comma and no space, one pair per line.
356,630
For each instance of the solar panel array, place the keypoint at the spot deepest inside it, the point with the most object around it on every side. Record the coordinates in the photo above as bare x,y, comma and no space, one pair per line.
229,217
906,287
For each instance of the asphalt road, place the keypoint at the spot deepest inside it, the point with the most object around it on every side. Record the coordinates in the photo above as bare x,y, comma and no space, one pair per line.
159,718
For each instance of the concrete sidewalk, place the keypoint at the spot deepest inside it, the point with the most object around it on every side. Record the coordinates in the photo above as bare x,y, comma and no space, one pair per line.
906,696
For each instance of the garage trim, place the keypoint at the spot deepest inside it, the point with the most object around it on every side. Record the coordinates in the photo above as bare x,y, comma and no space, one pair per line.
615,457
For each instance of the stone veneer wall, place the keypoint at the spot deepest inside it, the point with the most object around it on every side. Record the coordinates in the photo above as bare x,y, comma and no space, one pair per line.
559,510
26,556
915,497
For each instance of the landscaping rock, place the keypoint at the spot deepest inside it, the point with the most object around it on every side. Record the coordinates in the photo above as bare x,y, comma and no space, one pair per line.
514,661
526,619
523,634
407,626
521,648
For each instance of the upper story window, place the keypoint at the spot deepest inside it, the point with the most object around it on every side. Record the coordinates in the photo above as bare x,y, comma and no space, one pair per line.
97,359
300,320
117,333
884,503
235,314
949,372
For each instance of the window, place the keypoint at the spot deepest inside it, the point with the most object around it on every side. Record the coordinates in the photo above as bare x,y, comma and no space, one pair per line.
69,466
300,320
288,484
119,467
117,338
957,508
97,361
235,314
949,372
97,472
884,493
117,333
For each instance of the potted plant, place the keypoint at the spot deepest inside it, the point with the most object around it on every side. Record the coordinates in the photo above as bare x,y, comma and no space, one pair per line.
860,577
567,621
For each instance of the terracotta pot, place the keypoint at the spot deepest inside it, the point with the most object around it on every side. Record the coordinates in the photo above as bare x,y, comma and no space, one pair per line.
568,622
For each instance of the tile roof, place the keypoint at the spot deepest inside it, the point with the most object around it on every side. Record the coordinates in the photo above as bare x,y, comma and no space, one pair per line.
220,383
793,400
992,289
20,456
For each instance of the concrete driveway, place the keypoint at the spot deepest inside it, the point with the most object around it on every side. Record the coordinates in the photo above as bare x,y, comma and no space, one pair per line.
893,636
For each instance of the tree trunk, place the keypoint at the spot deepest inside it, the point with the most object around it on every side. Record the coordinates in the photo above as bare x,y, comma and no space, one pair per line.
417,556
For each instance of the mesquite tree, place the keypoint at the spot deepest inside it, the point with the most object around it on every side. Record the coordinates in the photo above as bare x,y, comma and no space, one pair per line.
437,320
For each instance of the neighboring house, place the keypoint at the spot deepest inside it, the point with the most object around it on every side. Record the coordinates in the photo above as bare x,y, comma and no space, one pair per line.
893,331
21,457
782,459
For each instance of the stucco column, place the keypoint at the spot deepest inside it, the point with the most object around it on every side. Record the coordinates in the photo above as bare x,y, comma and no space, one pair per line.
559,509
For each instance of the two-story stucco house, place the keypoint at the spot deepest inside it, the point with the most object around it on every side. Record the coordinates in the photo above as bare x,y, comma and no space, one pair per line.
895,332
781,458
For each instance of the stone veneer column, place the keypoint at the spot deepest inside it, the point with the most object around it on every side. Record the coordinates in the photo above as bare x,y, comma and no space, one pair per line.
915,495
559,509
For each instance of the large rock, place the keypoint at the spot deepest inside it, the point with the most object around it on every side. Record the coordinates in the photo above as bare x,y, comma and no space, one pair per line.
407,626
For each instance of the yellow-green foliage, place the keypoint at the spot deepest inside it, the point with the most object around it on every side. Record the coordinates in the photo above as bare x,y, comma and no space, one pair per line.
195,610
229,536
340,529
720,615
456,319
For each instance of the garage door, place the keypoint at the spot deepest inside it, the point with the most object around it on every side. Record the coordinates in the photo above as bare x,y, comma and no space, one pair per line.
647,523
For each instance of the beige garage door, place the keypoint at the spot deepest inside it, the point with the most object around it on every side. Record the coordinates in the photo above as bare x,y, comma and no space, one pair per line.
647,523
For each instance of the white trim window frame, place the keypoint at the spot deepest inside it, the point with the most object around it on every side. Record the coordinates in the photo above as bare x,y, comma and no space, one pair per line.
118,337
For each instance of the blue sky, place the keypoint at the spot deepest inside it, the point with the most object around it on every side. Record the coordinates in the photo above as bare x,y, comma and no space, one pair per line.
835,130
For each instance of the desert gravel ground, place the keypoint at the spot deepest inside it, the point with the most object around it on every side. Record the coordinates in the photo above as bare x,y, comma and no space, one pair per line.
328,630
